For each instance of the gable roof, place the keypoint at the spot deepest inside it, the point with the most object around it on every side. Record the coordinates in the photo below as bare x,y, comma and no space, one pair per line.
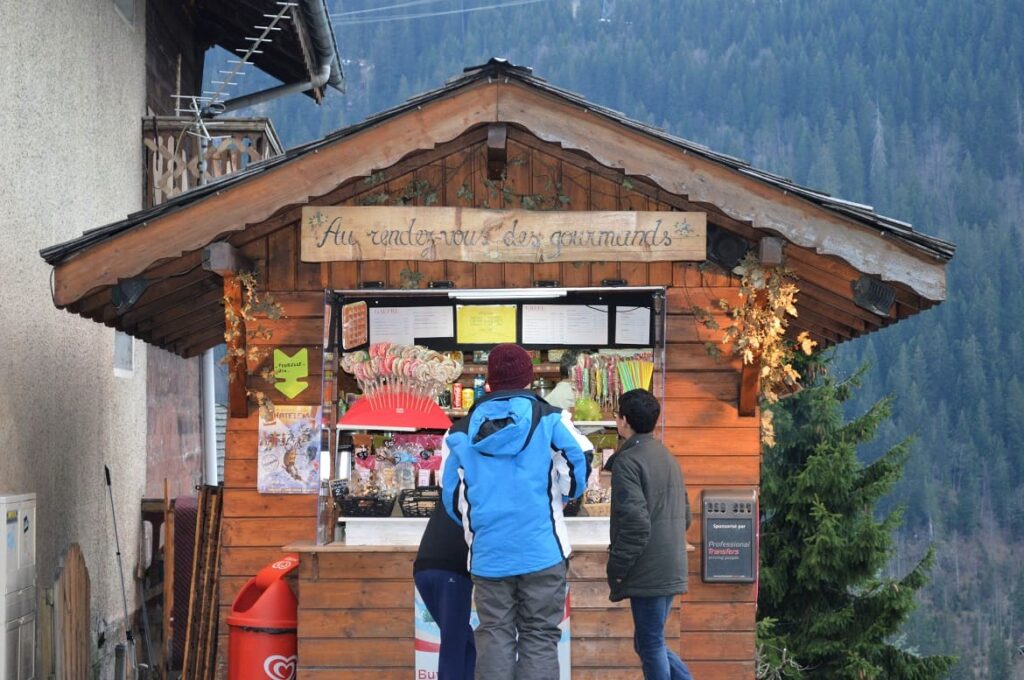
498,92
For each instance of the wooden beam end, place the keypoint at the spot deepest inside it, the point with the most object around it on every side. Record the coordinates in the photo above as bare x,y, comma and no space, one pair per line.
497,151
224,259
750,386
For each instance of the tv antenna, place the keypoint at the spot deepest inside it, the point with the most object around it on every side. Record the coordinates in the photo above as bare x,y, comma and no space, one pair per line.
211,102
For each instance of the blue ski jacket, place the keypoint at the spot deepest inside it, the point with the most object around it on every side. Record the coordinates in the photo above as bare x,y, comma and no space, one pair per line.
512,463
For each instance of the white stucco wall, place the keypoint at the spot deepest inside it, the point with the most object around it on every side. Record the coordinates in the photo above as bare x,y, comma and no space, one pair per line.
72,91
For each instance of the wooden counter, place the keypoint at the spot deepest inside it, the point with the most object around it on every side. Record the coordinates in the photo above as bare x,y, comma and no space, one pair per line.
356,615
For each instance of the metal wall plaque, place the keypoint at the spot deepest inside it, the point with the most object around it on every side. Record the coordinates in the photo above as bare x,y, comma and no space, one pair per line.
730,519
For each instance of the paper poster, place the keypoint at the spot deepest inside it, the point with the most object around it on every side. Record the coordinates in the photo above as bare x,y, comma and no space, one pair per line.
565,325
289,372
391,324
486,324
288,454
353,325
633,326
428,640
434,322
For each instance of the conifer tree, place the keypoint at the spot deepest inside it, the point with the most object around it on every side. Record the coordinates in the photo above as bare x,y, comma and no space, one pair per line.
823,549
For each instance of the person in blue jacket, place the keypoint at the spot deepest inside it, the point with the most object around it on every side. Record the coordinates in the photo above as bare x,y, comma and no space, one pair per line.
513,462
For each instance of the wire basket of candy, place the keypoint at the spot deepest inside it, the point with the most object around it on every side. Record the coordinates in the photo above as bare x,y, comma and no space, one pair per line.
597,502
378,505
419,502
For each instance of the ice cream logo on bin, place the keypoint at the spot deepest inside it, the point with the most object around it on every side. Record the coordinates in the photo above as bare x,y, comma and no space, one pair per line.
279,667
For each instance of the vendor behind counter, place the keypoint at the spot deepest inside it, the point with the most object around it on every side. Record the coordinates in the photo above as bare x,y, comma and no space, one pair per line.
564,395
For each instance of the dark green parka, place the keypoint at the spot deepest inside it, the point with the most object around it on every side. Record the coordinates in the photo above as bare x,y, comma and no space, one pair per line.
649,517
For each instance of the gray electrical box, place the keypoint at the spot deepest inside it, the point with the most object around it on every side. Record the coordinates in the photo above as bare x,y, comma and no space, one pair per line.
730,521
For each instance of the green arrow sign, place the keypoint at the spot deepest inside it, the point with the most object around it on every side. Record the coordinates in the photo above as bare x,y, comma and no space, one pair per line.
290,370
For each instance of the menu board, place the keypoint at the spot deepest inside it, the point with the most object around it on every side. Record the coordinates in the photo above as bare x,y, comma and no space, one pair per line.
353,325
633,326
486,324
565,325
402,325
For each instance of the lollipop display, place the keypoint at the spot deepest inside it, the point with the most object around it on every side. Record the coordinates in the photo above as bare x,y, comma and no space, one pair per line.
603,377
399,380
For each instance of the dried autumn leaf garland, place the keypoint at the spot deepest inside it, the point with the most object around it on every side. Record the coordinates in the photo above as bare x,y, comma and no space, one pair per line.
757,330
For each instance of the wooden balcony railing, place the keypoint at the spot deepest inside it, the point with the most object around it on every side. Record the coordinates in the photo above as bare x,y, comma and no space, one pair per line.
172,154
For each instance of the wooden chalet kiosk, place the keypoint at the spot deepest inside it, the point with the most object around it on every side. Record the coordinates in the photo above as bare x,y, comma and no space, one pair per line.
497,138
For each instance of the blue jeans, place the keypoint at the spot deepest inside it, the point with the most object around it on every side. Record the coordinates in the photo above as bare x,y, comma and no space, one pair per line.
448,597
658,661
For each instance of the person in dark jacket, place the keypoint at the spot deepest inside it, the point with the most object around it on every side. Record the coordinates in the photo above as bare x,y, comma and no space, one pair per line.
513,461
650,514
442,577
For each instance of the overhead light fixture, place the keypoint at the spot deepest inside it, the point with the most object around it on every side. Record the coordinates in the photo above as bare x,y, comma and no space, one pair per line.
127,292
873,295
508,294
725,248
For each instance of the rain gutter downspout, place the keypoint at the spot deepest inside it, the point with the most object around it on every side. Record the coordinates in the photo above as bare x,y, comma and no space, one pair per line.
319,80
209,405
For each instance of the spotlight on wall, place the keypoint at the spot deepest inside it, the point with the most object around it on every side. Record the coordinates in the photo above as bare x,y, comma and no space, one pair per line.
725,248
127,292
873,295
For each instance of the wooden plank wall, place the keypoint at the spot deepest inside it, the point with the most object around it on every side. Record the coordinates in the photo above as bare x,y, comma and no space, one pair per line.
359,622
715,447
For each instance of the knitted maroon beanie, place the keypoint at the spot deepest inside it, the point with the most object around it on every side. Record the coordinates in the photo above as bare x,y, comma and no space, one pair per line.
509,367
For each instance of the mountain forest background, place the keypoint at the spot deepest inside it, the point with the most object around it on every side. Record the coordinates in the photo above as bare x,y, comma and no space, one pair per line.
915,107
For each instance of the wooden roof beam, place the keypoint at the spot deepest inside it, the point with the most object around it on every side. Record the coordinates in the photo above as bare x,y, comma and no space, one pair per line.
842,270
200,341
173,307
165,287
825,323
838,317
169,333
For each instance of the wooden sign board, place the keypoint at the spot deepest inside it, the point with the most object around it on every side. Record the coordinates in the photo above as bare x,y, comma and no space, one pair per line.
348,233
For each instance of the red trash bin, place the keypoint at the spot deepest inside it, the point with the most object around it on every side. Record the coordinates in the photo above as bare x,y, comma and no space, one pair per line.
262,643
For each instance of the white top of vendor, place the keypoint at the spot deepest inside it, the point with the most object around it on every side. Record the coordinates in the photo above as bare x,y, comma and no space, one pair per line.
563,396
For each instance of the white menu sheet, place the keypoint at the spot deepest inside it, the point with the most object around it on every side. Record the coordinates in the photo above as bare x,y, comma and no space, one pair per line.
632,326
565,325
391,324
434,322
402,325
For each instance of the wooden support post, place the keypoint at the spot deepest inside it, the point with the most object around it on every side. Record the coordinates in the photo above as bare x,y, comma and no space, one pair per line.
234,335
750,386
497,151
